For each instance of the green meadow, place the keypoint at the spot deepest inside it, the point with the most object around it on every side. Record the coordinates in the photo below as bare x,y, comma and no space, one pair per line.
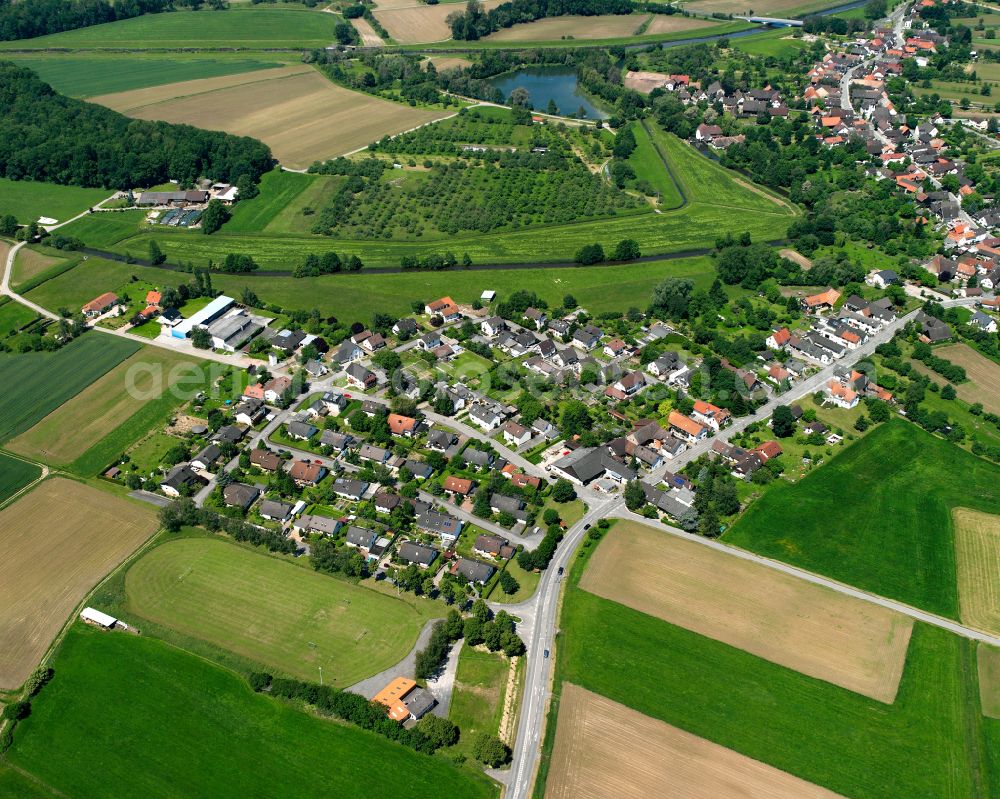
129,715
89,76
28,200
250,28
877,516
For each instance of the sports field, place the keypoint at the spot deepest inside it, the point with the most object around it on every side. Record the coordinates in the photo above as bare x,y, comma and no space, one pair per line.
600,27
877,516
29,200
984,375
805,627
989,680
605,749
418,23
58,541
289,26
977,544
37,383
88,76
284,616
165,723
15,474
298,113
152,376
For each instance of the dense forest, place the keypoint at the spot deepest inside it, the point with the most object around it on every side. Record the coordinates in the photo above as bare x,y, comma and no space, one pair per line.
475,23
25,19
46,136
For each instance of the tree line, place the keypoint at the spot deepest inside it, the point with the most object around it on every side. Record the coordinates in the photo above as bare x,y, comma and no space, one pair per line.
49,137
26,19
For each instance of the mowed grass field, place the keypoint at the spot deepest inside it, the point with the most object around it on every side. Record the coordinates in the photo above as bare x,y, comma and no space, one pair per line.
58,541
37,383
152,376
89,76
767,8
983,374
30,263
648,166
478,697
977,544
15,474
929,743
165,723
877,516
13,315
264,609
278,208
28,200
606,749
91,277
296,111
845,641
289,26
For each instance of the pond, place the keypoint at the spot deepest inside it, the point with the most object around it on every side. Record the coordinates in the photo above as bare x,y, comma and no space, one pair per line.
549,83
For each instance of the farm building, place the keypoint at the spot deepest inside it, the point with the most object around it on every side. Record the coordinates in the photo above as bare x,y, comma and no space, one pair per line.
215,309
99,305
404,700
92,616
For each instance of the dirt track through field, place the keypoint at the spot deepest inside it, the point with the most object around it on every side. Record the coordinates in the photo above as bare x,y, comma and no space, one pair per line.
604,750
300,114
977,551
57,542
830,636
983,374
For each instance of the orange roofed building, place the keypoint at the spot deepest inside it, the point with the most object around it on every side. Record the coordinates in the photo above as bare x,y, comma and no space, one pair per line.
826,299
391,697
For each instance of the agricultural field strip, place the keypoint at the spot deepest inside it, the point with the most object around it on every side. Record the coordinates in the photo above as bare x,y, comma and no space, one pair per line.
845,641
58,540
988,659
85,419
983,374
828,582
977,547
605,749
135,99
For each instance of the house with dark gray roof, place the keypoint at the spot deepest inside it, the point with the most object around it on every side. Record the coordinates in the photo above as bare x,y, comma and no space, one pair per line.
349,489
360,537
472,571
238,495
412,552
274,510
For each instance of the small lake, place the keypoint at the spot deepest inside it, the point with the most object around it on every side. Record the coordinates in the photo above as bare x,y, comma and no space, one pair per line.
549,83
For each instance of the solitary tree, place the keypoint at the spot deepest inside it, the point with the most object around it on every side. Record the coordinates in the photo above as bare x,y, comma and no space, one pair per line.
783,422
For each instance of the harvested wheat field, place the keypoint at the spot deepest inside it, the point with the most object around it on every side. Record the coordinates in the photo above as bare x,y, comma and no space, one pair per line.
669,23
369,38
414,23
609,26
604,749
443,62
300,114
989,680
58,541
845,641
983,374
644,81
977,550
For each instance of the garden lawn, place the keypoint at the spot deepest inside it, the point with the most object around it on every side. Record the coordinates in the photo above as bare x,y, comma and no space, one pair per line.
89,76
250,28
162,722
15,474
36,383
527,584
28,200
878,516
273,612
928,743
477,701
